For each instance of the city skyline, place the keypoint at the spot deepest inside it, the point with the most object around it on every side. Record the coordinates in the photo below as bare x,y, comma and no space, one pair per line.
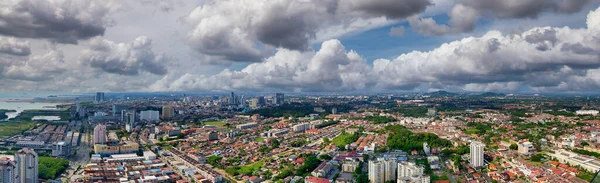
77,46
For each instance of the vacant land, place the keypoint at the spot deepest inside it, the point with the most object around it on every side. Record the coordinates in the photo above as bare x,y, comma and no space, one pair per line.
216,123
11,127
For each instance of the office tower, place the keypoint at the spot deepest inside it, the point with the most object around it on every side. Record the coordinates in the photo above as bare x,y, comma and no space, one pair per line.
117,109
261,101
254,103
8,171
99,134
149,115
99,97
477,154
27,166
130,121
382,170
168,112
242,101
278,100
232,99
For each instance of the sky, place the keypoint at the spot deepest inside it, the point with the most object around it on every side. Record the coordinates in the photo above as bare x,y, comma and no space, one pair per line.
300,45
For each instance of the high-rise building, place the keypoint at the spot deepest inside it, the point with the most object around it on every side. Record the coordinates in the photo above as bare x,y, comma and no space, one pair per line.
254,103
8,171
99,97
382,169
279,99
149,115
130,121
242,101
232,99
526,148
27,166
168,112
477,153
117,109
261,101
100,134
376,170
426,148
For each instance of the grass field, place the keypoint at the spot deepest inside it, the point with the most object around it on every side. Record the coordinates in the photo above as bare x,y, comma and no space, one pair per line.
216,123
11,128
340,139
259,139
471,131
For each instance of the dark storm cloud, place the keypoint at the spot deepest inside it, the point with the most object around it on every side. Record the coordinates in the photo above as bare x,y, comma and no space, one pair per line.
60,21
393,9
465,13
222,31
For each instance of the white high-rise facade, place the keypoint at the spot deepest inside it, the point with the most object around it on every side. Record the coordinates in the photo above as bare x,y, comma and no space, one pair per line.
8,171
376,170
99,134
409,169
149,115
27,166
477,154
382,170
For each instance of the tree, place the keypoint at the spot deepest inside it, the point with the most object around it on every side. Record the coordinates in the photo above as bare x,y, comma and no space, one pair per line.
584,143
514,146
325,157
275,143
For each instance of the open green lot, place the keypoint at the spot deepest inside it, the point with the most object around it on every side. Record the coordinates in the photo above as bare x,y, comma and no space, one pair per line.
9,128
216,123
342,139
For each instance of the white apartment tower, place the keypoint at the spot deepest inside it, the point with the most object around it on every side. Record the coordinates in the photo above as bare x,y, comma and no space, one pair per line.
99,134
382,170
376,170
27,166
477,153
8,171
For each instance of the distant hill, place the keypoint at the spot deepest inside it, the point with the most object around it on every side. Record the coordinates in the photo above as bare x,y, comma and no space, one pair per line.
491,94
442,93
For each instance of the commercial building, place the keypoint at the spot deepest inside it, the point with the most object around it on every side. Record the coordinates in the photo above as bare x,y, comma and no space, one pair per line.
117,109
274,133
476,154
590,164
301,127
149,115
125,148
254,103
61,149
246,126
168,112
99,134
279,99
526,148
212,135
130,121
8,171
27,166
587,112
99,97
